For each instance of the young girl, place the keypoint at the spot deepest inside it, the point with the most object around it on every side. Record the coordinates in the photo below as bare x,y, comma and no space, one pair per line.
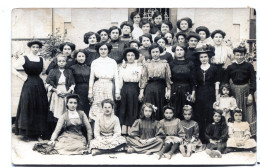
146,135
174,133
107,131
191,142
239,134
225,102
217,135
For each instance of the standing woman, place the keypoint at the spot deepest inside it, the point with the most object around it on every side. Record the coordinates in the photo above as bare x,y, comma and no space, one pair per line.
129,78
181,38
184,25
155,78
32,112
157,22
105,70
243,86
81,73
136,18
126,29
204,36
207,89
166,27
91,39
170,40
104,37
66,48
183,79
162,41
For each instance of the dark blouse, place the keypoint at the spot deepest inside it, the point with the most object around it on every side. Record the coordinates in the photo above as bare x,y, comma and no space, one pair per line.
211,76
217,131
117,50
167,56
145,53
190,55
91,54
70,61
81,73
155,28
126,39
242,74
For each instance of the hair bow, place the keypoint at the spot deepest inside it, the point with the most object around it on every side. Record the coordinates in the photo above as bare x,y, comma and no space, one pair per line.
154,108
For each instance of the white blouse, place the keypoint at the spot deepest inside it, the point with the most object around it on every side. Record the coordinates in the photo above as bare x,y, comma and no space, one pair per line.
137,32
207,41
223,55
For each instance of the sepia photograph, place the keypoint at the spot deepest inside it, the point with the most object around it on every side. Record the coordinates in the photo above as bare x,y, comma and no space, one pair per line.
133,86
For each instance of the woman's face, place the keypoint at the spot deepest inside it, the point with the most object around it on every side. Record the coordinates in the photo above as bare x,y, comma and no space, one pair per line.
202,35
155,53
137,19
168,114
72,104
225,91
92,39
238,117
146,28
193,42
146,42
81,57
103,36
239,57
158,20
134,45
216,117
130,56
179,52
204,58
162,43
165,28
67,50
114,34
35,49
187,115
61,61
184,25
218,39
148,112
107,108
168,36
103,51
181,39
126,30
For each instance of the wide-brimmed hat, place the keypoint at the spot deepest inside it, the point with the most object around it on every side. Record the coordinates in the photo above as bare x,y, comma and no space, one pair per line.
209,49
203,28
134,50
30,43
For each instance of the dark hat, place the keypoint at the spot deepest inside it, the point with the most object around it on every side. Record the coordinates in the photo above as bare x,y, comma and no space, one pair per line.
240,50
30,43
71,45
189,21
98,45
203,28
168,23
157,38
155,45
134,50
209,49
147,36
134,41
88,34
127,23
193,34
219,32
133,14
105,30
181,33
114,28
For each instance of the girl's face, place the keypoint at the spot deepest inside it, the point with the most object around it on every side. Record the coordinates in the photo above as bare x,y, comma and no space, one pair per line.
165,28
146,42
35,49
148,112
193,42
202,35
67,50
130,56
179,52
187,115
134,45
225,91
181,39
168,114
114,34
158,20
184,25
61,61
137,19
239,57
238,117
72,104
162,43
107,109
155,53
146,28
92,39
204,58
218,39
126,30
168,36
81,57
103,36
216,117
103,51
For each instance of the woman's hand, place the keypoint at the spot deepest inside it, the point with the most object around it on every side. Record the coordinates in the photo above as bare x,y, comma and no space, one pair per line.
212,141
141,96
193,97
51,143
249,99
143,141
90,97
118,97
168,94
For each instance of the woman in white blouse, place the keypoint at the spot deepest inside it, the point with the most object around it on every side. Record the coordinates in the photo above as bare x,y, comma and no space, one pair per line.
105,70
136,18
129,78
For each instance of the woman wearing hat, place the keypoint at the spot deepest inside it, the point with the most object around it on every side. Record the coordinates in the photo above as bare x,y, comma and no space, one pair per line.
66,48
155,81
129,78
204,36
184,25
192,39
136,18
207,77
243,86
105,70
32,111
103,33
162,41
91,39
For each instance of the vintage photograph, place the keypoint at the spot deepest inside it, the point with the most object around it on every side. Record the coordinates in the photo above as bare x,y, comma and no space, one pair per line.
133,86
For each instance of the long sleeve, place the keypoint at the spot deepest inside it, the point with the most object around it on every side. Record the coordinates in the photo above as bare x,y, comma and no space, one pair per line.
51,66
208,132
230,130
252,84
87,125
224,134
51,78
58,128
97,129
91,78
233,103
168,76
135,129
196,130
71,80
181,132
117,87
144,77
120,78
193,81
159,131
117,128
247,129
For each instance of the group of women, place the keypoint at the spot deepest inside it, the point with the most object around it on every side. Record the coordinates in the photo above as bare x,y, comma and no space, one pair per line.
140,62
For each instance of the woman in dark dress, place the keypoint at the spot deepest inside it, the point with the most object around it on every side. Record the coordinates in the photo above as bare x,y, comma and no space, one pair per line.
91,39
81,73
162,41
207,89
32,112
66,48
183,80
157,22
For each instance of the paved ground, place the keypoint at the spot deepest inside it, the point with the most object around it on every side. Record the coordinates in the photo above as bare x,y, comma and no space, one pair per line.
22,153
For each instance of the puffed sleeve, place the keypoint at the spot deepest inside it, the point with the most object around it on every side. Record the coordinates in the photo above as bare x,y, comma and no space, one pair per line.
181,132
247,129
230,130
92,77
86,125
97,129
117,128
51,66
168,76
233,103
58,128
196,130
51,78
159,131
252,84
144,77
135,129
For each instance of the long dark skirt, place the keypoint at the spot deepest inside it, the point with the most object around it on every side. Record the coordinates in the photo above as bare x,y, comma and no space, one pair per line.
129,108
82,90
155,94
32,112
205,97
